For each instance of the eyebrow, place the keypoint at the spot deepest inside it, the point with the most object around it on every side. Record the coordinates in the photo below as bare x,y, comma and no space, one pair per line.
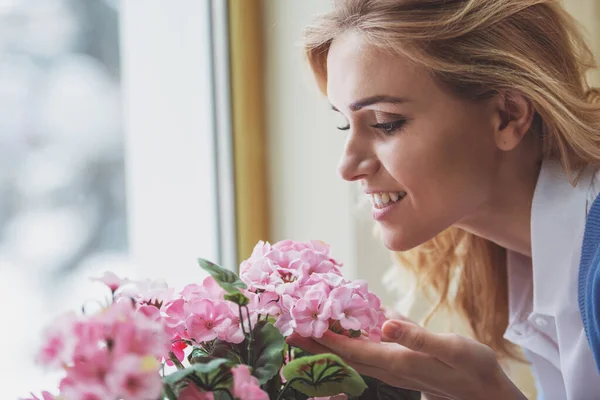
369,101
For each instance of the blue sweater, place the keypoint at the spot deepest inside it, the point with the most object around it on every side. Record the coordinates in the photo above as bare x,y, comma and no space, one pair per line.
589,280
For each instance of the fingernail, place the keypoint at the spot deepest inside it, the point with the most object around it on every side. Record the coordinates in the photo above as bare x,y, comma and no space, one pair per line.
393,329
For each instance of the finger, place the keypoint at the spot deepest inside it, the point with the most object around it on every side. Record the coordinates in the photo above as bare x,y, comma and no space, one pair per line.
399,366
390,329
417,338
368,352
307,344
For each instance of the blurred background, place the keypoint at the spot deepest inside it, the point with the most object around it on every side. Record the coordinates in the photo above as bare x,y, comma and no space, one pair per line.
136,136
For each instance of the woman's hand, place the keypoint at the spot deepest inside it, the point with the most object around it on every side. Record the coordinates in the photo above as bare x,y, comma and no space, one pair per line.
445,365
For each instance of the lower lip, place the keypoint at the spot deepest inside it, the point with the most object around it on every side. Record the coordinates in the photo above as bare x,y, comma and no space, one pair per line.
379,214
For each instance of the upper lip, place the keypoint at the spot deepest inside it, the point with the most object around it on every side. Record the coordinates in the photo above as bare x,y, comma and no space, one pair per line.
374,191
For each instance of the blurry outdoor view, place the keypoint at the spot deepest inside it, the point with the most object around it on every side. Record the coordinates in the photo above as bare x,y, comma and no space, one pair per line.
62,182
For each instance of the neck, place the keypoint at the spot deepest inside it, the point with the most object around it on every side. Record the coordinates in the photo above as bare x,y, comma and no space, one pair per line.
505,218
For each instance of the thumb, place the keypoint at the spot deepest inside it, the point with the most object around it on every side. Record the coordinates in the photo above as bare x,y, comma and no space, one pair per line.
413,336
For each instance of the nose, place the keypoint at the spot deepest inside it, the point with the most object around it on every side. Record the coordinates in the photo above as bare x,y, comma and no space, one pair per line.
358,160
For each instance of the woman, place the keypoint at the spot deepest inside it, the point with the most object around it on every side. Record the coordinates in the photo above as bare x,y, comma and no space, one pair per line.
471,127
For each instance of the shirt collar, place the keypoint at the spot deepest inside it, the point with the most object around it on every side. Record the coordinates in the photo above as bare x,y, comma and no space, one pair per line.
558,215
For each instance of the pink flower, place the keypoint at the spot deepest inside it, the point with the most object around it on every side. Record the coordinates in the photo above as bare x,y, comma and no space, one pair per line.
151,312
289,281
207,319
174,318
135,378
209,289
178,349
331,280
135,333
246,386
83,390
234,333
212,289
59,344
349,308
310,314
261,275
260,250
284,322
375,332
192,392
90,366
148,292
319,283
266,303
310,262
292,245
111,280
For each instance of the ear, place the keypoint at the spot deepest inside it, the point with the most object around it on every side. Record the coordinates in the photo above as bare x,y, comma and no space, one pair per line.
514,118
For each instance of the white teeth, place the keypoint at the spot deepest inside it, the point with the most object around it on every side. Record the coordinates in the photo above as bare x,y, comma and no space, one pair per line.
380,200
377,198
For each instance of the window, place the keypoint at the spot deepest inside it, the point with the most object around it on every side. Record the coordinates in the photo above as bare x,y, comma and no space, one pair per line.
109,149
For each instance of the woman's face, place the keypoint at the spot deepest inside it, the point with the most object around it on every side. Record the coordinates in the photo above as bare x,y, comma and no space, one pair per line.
410,139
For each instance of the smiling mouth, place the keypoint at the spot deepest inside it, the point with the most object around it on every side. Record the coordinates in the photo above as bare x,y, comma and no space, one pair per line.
383,200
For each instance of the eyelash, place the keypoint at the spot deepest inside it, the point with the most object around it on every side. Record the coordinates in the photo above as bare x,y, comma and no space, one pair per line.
387,128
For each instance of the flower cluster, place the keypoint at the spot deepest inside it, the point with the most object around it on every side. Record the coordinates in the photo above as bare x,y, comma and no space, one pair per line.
303,287
112,354
122,351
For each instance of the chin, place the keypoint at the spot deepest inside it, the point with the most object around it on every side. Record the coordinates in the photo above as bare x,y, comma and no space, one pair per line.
396,240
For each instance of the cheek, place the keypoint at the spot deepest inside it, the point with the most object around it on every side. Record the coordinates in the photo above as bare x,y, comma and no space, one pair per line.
439,167
447,178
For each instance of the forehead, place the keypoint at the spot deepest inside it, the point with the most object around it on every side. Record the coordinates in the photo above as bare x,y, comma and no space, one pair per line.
357,69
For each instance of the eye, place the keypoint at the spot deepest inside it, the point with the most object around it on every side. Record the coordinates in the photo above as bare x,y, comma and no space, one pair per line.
342,123
389,127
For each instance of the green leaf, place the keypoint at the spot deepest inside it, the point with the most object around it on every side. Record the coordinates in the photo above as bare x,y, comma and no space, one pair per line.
267,356
323,375
168,392
267,351
209,376
238,298
198,355
227,279
230,351
355,333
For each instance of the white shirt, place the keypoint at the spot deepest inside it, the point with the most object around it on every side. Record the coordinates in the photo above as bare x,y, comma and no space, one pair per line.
544,316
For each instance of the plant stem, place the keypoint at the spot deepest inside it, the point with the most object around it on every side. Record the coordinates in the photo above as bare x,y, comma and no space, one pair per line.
169,392
287,385
175,360
248,315
251,338
242,320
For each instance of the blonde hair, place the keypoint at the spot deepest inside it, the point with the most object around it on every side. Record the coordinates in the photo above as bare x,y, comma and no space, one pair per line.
479,48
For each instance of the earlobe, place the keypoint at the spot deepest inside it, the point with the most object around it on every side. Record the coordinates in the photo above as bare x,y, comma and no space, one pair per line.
515,119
